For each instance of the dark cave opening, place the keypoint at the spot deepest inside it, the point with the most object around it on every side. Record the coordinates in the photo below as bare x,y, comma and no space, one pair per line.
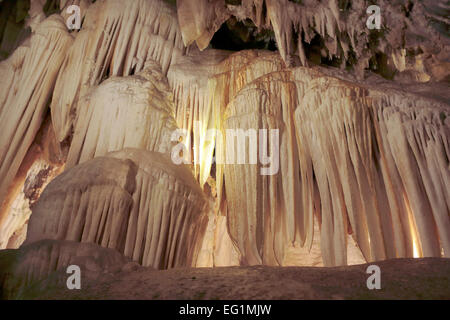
235,35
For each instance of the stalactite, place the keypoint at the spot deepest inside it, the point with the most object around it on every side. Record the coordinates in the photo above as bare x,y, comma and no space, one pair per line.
28,78
116,39
344,32
240,69
194,111
199,20
201,97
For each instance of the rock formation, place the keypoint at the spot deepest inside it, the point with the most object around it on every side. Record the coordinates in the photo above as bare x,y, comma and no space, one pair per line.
134,201
344,154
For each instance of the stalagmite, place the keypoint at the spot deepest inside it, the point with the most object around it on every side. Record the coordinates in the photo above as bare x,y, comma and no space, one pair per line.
85,203
134,201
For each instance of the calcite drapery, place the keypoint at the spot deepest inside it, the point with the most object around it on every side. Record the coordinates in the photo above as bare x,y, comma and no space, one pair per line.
361,157
351,174
28,78
134,201
359,166
117,38
134,111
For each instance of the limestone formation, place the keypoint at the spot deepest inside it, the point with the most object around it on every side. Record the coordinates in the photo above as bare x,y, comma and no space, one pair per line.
125,112
26,85
344,146
339,24
134,201
117,39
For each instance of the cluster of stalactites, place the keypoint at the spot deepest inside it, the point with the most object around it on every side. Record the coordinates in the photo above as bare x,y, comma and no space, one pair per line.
363,161
132,44
340,25
117,39
28,78
371,163
125,112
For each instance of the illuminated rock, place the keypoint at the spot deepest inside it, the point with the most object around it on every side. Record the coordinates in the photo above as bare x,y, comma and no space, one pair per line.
359,166
134,201
28,78
125,112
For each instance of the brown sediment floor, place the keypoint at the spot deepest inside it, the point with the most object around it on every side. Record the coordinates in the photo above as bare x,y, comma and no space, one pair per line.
107,275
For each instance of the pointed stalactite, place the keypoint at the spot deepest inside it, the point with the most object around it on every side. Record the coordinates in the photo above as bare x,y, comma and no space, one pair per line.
194,111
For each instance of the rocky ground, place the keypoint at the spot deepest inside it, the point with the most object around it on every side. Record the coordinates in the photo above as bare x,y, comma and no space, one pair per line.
107,275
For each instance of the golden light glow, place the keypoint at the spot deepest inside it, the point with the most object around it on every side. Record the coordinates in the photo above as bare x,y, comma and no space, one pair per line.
417,251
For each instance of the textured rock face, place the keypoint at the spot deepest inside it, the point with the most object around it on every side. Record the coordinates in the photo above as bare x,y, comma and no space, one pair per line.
351,172
117,39
358,169
26,85
43,162
134,111
134,201
339,24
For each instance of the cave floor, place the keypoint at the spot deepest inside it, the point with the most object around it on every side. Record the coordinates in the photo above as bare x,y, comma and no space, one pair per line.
400,279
